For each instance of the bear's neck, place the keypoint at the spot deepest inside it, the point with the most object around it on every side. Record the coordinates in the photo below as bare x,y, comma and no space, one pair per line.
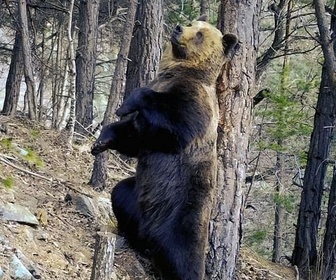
207,76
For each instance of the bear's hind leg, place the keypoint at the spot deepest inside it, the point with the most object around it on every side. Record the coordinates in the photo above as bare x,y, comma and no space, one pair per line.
179,258
126,209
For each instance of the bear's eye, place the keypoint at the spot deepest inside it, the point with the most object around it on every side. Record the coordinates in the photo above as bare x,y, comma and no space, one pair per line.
189,25
199,36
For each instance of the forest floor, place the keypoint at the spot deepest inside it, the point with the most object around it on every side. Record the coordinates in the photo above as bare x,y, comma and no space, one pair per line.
40,175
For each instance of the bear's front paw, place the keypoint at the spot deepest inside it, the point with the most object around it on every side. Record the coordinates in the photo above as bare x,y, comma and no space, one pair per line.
99,147
133,102
125,110
106,140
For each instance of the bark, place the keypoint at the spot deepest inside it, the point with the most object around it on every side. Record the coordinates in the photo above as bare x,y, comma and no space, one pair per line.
305,251
14,78
86,61
235,93
27,60
98,177
329,242
145,52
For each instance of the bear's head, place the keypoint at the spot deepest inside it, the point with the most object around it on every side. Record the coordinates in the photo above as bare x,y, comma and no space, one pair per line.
199,45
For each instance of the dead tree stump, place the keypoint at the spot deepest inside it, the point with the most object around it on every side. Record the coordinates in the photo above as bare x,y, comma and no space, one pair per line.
103,259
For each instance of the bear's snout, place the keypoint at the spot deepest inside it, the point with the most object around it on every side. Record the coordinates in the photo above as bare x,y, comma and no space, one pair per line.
177,30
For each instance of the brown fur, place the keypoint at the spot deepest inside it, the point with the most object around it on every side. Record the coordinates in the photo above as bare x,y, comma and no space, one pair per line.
165,208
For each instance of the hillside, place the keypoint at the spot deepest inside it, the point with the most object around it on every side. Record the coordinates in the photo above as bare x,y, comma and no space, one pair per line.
49,215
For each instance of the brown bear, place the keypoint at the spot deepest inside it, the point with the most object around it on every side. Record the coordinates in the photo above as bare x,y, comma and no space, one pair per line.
171,127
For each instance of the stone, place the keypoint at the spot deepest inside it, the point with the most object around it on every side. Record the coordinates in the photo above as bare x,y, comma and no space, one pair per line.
98,207
84,205
17,213
19,271
28,264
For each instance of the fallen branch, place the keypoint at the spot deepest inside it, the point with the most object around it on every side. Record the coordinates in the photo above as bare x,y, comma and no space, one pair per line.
62,220
67,184
24,170
84,128
8,157
126,166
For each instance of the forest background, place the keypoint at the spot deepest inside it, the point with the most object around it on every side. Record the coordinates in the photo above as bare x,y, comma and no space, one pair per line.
68,65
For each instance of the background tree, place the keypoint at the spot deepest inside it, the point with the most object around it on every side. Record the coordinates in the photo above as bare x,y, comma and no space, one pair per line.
72,75
27,60
279,215
305,253
205,7
235,91
282,125
86,61
329,241
99,172
279,31
14,78
146,45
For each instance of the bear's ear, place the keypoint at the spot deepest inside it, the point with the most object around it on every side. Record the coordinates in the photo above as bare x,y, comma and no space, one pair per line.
230,43
203,18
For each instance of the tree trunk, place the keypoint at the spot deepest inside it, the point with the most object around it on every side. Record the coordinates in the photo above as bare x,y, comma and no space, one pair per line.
63,100
279,215
145,51
329,242
279,12
14,78
117,86
86,61
43,80
99,173
57,94
72,77
305,252
98,177
27,60
235,91
205,7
